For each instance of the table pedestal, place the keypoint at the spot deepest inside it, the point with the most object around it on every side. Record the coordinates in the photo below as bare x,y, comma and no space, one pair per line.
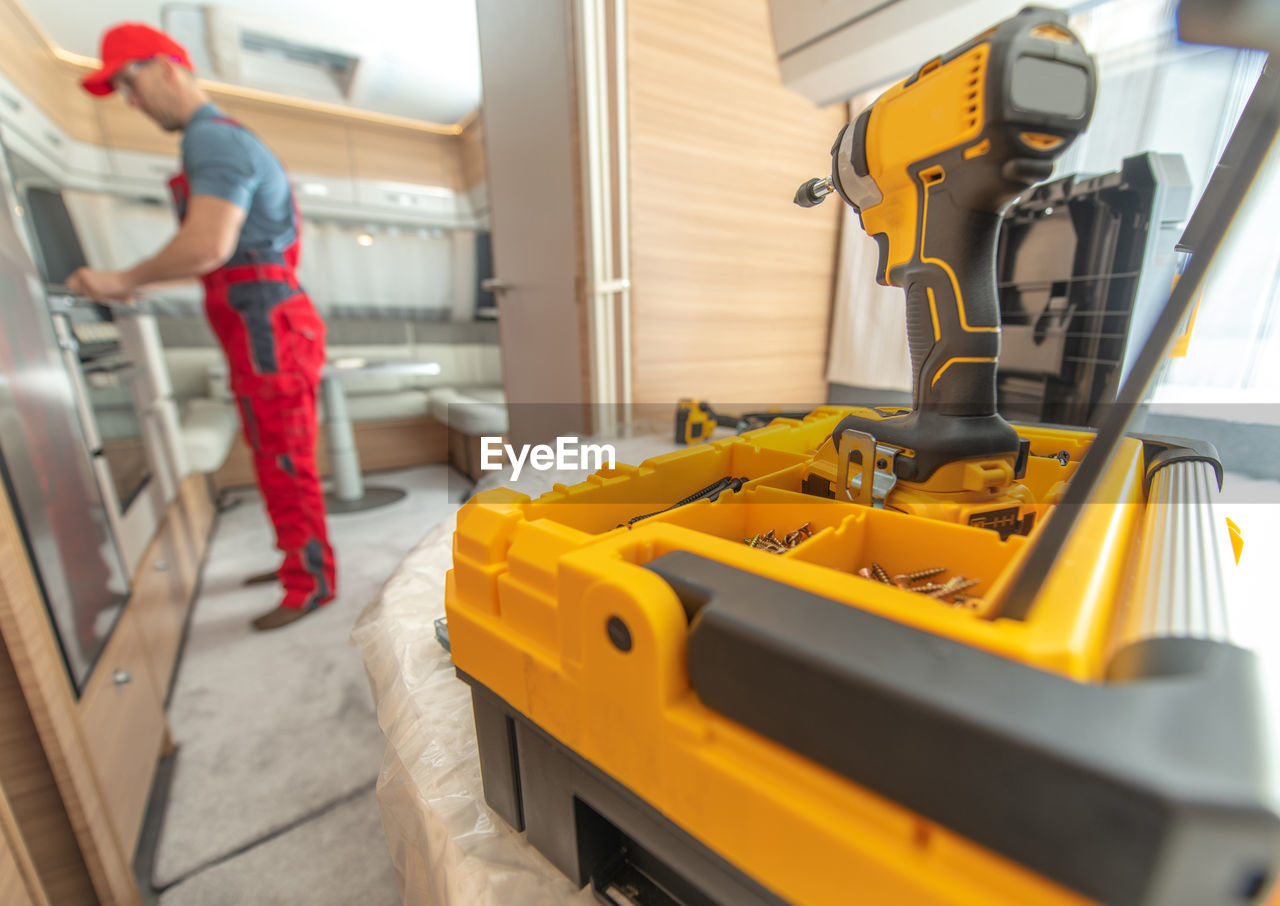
349,494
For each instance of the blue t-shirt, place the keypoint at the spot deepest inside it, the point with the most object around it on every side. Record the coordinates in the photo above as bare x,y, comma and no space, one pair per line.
229,162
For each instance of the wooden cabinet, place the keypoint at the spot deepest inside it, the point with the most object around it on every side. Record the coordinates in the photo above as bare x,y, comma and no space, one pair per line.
122,709
122,718
78,773
381,444
197,509
166,579
161,590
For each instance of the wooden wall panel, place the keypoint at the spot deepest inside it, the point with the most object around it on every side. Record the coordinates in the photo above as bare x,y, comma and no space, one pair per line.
307,140
732,282
471,154
123,127
19,883
19,880
26,60
28,640
399,155
32,795
304,141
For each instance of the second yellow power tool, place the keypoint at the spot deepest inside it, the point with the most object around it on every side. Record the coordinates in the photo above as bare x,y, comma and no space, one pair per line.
929,167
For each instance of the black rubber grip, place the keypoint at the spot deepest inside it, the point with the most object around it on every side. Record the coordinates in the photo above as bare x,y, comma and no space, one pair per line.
953,314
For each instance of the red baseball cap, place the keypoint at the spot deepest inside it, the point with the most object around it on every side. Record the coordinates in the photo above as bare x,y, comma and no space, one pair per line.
127,42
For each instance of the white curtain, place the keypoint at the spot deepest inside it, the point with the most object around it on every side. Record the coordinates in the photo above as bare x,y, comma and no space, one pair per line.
350,270
1154,94
378,271
868,324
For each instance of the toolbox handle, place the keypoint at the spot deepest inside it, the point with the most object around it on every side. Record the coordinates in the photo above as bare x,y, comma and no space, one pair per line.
1178,595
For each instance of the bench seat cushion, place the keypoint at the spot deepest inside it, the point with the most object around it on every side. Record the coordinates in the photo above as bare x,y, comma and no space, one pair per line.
208,430
471,410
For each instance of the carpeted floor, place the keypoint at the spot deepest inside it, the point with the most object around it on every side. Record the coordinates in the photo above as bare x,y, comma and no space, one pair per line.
336,858
271,799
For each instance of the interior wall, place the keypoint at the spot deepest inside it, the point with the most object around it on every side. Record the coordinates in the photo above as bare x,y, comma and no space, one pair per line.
471,156
731,280
25,58
306,140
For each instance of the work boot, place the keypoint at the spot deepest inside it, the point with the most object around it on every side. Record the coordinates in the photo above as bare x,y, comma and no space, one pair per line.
281,616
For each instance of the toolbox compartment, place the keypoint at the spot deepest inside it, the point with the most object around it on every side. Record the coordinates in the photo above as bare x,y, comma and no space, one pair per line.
847,537
611,497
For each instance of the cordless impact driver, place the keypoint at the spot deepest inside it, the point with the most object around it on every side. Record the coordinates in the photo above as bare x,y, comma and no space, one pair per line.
930,167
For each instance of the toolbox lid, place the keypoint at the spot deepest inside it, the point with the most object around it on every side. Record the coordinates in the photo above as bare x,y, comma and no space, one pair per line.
1250,144
1083,269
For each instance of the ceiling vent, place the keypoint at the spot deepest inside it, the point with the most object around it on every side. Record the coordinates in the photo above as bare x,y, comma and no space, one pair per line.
270,57
249,50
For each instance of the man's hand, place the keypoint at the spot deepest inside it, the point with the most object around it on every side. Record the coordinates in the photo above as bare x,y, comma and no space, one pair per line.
102,286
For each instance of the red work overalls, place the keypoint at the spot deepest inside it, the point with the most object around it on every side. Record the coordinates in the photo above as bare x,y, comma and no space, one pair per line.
274,343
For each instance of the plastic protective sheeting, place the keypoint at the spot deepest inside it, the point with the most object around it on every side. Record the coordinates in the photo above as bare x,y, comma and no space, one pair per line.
447,846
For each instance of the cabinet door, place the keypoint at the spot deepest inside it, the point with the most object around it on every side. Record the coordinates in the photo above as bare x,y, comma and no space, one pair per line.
49,467
123,724
161,598
198,509
531,145
166,578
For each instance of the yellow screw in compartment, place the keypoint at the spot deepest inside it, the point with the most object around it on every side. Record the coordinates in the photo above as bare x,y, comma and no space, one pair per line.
923,574
769,541
959,583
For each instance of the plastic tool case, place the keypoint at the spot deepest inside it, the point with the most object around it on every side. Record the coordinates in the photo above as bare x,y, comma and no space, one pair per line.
676,716
763,727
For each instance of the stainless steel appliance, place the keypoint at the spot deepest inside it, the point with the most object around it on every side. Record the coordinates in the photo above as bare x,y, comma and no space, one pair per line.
47,465
92,340
101,376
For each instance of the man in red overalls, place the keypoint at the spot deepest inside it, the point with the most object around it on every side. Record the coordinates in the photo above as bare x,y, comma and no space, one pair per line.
240,233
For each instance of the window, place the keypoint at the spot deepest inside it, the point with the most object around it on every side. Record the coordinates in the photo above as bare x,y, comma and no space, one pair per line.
1155,93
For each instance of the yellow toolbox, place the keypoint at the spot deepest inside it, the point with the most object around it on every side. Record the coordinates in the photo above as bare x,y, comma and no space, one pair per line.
763,726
